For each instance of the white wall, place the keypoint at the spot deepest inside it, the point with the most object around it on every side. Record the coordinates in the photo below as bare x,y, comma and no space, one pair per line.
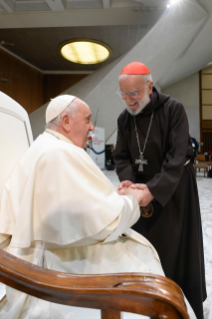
187,92
96,95
112,139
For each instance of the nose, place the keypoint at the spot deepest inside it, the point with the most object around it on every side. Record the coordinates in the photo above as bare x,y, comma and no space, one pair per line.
91,127
128,99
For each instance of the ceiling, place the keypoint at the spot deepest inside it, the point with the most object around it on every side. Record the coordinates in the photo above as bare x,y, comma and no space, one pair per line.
63,5
36,28
40,46
178,46
175,43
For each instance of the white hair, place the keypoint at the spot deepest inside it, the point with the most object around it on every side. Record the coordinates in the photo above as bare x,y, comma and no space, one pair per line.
70,110
146,77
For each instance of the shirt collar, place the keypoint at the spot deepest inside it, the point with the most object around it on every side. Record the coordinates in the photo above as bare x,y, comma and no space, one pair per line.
59,135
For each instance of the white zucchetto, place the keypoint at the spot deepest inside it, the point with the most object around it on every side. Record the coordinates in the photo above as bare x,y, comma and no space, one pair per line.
57,106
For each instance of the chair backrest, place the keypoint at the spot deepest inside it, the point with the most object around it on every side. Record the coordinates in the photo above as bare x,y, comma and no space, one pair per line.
15,139
200,158
15,136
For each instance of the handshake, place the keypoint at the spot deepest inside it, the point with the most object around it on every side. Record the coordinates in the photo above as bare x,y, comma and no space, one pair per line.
140,191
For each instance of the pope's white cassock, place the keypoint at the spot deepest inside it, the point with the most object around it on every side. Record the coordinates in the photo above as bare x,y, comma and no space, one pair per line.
65,215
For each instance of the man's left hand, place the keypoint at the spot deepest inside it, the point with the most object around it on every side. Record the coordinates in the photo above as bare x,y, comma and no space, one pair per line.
147,196
124,184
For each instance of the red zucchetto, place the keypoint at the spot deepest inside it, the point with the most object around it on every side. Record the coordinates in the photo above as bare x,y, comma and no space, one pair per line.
135,68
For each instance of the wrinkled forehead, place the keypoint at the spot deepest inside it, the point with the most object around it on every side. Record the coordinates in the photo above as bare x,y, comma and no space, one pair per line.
83,109
132,82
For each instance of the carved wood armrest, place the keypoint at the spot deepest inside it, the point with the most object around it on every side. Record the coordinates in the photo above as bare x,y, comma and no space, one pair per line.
143,293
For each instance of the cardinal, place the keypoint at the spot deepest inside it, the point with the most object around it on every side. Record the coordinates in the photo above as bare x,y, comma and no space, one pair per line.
153,153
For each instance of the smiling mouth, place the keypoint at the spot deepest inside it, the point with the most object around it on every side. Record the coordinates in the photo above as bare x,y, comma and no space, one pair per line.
131,105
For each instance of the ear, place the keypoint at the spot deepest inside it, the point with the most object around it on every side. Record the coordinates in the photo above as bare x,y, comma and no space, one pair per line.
66,122
150,86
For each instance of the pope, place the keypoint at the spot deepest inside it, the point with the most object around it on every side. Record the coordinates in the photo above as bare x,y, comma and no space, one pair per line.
153,153
64,214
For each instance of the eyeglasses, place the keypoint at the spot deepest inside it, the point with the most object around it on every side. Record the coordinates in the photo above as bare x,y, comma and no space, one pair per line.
130,94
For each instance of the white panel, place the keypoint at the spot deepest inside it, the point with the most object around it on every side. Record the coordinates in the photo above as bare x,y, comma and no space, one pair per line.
207,112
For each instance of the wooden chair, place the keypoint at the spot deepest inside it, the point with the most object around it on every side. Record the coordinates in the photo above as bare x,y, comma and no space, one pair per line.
147,294
151,295
210,158
199,163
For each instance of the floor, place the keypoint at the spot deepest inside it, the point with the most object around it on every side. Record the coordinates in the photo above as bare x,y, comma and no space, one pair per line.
205,196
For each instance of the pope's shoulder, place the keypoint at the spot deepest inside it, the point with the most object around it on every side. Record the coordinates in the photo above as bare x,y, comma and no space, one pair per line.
47,146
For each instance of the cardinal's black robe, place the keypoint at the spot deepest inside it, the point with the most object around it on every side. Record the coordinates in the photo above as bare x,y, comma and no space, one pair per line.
175,227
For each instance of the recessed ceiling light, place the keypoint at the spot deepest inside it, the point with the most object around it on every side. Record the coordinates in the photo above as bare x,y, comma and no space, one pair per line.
85,51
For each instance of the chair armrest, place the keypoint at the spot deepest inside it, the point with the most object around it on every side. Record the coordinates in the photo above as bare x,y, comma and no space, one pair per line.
143,293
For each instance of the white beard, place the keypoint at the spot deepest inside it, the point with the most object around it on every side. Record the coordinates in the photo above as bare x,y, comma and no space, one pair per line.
142,105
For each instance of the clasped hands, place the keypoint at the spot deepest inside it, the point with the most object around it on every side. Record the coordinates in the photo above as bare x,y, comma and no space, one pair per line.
140,191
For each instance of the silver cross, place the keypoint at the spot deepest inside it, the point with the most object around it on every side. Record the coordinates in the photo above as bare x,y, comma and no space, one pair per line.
141,161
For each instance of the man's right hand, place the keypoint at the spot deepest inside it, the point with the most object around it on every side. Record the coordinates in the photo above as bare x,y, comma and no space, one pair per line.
138,193
147,196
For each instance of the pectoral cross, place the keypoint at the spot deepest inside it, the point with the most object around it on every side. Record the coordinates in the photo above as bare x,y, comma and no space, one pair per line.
141,161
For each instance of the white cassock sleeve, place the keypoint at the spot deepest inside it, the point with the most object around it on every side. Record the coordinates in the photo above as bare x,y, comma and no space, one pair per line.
121,223
66,199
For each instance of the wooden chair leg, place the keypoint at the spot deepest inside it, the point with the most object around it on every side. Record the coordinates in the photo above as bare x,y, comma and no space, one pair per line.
106,314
